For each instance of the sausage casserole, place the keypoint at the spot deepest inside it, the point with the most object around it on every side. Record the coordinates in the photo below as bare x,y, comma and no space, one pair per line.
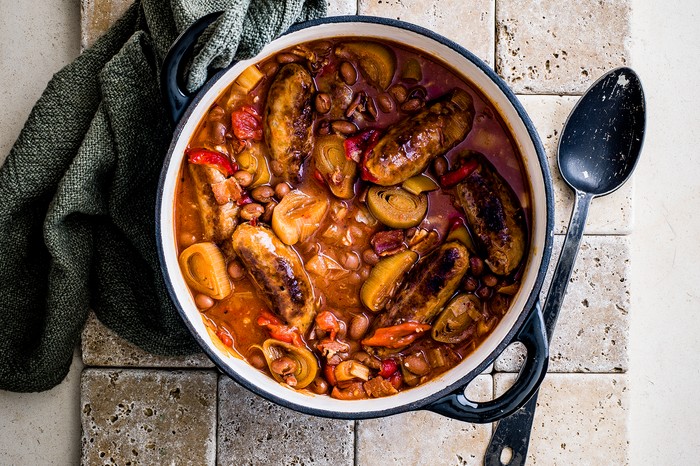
352,218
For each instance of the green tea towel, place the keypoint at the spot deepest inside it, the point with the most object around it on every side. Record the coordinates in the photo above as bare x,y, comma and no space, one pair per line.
78,189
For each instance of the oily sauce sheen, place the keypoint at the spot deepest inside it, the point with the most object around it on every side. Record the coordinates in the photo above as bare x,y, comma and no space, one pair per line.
302,271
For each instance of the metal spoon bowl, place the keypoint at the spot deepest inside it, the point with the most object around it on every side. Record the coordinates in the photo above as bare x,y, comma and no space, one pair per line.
598,150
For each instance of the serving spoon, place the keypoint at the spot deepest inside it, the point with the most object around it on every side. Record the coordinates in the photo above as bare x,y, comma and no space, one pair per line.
598,150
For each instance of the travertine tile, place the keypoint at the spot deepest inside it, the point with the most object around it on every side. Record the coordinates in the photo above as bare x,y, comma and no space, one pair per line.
253,431
580,419
422,437
547,47
593,326
103,347
97,16
470,24
608,215
148,417
342,7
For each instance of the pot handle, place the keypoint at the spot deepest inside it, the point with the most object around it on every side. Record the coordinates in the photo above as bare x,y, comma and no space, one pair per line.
533,336
172,82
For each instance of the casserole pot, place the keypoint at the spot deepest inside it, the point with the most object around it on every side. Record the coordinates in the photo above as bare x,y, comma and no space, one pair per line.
523,321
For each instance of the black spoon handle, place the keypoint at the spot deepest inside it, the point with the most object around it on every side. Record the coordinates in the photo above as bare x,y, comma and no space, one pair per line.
514,431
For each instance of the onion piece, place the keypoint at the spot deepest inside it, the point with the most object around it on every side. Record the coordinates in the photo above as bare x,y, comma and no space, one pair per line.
298,216
249,78
204,269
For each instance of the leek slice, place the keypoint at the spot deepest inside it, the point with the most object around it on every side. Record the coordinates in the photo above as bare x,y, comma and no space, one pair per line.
204,269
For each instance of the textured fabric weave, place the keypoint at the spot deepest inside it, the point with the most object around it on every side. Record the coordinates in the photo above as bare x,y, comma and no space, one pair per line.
78,189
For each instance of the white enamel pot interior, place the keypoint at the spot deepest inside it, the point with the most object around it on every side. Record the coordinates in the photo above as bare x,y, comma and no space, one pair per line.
528,143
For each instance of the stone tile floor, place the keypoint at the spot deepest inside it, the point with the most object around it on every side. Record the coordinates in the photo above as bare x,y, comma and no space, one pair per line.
142,409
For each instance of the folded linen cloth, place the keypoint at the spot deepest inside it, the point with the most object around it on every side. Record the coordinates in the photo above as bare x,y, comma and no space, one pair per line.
78,189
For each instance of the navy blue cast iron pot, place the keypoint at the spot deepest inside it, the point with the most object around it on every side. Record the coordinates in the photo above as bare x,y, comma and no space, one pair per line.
523,322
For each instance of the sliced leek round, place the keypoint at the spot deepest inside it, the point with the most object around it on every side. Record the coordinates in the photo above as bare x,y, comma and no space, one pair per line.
306,364
204,269
385,278
454,324
396,207
377,61
253,160
338,171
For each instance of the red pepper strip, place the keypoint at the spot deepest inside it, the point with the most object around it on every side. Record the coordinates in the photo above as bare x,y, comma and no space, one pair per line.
396,336
212,159
452,178
329,374
327,322
278,330
246,123
356,146
225,339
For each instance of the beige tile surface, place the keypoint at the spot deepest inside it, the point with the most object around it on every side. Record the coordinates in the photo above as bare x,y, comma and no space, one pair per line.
580,419
470,24
102,347
342,7
425,438
608,215
593,326
148,417
97,16
253,431
42,428
546,47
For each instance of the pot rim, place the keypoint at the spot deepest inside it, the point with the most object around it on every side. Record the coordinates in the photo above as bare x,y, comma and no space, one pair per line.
533,296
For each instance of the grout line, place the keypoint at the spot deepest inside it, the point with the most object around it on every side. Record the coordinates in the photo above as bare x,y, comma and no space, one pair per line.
216,420
495,34
354,440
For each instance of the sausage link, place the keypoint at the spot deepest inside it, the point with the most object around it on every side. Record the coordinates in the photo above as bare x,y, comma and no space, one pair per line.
278,271
288,119
494,216
409,146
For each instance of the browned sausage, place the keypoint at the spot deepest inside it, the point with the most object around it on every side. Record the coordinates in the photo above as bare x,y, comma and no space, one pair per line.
218,221
278,271
288,119
409,146
494,216
429,286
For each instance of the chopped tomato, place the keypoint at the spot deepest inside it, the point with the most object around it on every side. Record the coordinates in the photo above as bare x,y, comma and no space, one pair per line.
328,322
388,368
246,123
396,380
455,176
278,330
244,199
396,336
212,159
